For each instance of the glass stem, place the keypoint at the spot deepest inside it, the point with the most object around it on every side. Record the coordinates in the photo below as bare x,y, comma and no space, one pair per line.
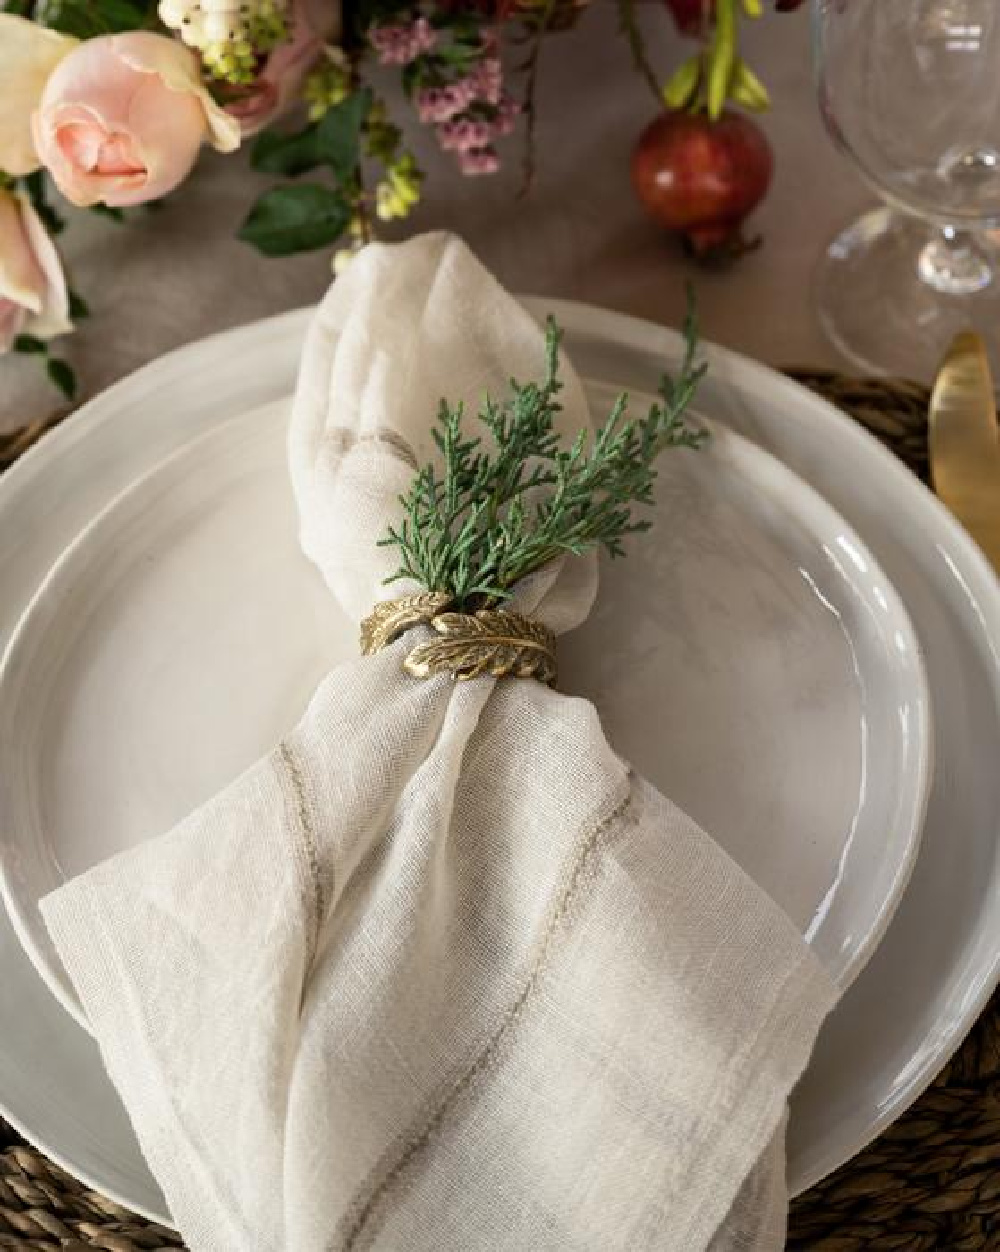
955,263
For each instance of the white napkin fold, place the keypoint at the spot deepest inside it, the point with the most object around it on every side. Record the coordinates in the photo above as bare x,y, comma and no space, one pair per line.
440,973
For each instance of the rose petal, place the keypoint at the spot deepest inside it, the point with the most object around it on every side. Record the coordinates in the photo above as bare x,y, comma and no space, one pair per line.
53,317
80,143
21,277
95,79
179,69
69,139
119,155
12,318
28,56
168,139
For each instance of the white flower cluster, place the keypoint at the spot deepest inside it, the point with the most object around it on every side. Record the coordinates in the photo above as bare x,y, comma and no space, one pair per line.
228,34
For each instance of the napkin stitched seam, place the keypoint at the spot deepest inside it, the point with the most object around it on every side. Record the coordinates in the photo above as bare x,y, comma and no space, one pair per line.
303,820
341,440
407,1147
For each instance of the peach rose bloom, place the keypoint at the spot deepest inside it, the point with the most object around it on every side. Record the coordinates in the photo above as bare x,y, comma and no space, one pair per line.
313,23
33,295
122,118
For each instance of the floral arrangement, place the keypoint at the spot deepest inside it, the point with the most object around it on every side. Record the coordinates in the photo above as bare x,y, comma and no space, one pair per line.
105,105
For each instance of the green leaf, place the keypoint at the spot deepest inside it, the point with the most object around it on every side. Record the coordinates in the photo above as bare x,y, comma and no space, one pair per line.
108,210
28,343
78,307
334,141
290,155
682,85
747,89
338,135
296,219
87,18
62,376
413,76
35,186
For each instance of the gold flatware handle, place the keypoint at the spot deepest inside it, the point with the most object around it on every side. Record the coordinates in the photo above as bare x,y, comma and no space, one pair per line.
965,442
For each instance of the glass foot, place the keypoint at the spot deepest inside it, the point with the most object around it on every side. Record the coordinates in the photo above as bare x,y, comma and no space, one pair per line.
880,307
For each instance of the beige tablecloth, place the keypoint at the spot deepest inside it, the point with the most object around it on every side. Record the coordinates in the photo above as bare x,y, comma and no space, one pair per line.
176,273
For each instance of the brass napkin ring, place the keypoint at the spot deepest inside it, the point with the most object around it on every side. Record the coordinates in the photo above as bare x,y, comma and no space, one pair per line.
497,642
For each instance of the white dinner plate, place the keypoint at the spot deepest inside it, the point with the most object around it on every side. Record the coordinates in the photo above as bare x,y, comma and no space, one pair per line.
181,635
940,958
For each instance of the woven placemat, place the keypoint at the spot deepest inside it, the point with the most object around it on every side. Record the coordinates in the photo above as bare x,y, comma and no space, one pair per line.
931,1183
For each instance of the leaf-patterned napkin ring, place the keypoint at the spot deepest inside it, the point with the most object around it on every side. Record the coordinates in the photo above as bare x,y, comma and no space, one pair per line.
495,642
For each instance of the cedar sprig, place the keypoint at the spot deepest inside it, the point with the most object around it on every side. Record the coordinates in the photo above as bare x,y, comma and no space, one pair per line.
494,513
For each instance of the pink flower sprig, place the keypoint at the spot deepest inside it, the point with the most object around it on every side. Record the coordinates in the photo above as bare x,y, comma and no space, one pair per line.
479,161
403,42
484,83
454,76
465,134
471,137
486,80
436,105
508,111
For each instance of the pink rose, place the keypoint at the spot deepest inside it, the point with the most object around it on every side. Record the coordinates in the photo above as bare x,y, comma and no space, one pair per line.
313,24
33,296
122,117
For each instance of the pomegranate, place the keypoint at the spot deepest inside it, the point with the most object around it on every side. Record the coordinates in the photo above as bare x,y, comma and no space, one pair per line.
703,178
692,17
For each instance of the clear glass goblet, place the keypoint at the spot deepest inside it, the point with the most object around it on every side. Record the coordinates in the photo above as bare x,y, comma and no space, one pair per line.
910,90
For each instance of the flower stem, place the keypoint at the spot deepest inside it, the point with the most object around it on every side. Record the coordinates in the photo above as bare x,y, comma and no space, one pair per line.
721,57
529,102
637,46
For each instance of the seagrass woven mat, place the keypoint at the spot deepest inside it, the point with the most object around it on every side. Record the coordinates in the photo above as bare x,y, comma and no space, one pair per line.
931,1183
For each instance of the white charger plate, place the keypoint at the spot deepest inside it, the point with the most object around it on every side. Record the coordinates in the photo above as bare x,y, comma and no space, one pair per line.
183,632
940,959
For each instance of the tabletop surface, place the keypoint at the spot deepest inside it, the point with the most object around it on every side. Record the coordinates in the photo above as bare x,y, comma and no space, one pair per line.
170,276
175,273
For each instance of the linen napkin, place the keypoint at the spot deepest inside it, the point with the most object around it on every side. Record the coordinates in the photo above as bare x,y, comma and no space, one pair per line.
441,972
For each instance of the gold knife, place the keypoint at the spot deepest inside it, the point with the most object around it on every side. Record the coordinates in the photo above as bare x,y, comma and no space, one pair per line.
965,442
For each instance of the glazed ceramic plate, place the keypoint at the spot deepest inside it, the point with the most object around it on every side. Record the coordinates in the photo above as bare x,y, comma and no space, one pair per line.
939,960
749,658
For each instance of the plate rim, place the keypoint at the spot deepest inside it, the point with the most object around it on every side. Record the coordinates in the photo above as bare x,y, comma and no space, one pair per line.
52,580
